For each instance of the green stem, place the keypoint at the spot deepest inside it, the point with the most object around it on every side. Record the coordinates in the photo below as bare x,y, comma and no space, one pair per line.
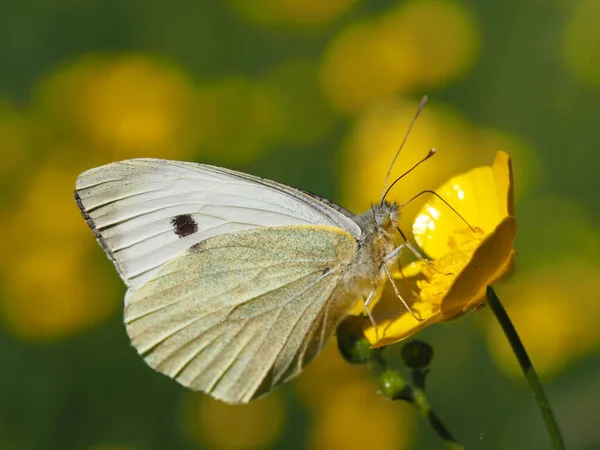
393,386
527,367
418,398
355,349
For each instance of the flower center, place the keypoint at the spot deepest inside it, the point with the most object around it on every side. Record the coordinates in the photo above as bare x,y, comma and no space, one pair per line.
441,273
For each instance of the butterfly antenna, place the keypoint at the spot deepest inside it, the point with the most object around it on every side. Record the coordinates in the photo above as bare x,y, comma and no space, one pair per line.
429,155
387,177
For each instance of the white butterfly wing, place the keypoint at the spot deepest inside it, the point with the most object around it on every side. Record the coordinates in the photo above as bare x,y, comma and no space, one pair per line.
146,212
240,313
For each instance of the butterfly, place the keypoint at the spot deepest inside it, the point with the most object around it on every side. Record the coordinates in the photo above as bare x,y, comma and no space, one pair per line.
234,282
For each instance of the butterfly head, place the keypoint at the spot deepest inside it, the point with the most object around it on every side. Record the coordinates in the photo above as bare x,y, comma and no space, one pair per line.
379,225
386,217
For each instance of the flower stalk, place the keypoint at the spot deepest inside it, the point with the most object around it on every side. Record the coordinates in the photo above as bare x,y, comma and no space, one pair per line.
527,367
393,386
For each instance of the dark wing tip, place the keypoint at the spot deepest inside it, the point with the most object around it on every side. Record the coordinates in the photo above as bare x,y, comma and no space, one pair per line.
88,219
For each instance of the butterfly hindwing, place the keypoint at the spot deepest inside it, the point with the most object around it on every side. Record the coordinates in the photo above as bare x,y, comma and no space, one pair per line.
240,313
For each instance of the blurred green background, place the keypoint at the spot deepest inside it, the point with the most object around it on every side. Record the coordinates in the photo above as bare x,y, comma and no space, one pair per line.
316,94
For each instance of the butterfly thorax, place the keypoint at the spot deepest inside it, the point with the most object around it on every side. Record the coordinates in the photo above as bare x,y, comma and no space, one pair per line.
378,239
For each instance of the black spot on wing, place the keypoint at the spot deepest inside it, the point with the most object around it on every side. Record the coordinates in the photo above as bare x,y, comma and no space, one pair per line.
184,225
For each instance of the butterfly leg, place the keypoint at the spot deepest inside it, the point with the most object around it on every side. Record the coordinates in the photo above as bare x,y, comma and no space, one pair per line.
393,255
397,291
396,252
367,304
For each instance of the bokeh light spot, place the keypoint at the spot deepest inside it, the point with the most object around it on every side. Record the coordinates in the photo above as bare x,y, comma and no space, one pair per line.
345,411
353,418
422,44
127,106
49,288
221,426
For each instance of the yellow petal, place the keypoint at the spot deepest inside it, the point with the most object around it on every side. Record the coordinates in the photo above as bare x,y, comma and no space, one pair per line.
503,175
482,196
391,331
489,262
359,307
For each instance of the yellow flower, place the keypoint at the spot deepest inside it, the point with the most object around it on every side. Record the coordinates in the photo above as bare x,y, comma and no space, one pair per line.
258,424
47,289
392,53
118,107
465,259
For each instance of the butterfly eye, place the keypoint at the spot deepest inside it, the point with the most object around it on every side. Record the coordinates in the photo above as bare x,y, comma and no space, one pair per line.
382,218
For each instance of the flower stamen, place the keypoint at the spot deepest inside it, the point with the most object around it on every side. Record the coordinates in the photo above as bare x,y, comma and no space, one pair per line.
440,274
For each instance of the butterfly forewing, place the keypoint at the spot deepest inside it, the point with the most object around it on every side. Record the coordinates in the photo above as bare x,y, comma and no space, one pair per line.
242,312
146,212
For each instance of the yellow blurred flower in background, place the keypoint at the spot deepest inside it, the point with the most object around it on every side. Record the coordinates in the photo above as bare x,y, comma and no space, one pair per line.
220,426
422,44
49,290
301,13
464,259
119,107
345,411
355,418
